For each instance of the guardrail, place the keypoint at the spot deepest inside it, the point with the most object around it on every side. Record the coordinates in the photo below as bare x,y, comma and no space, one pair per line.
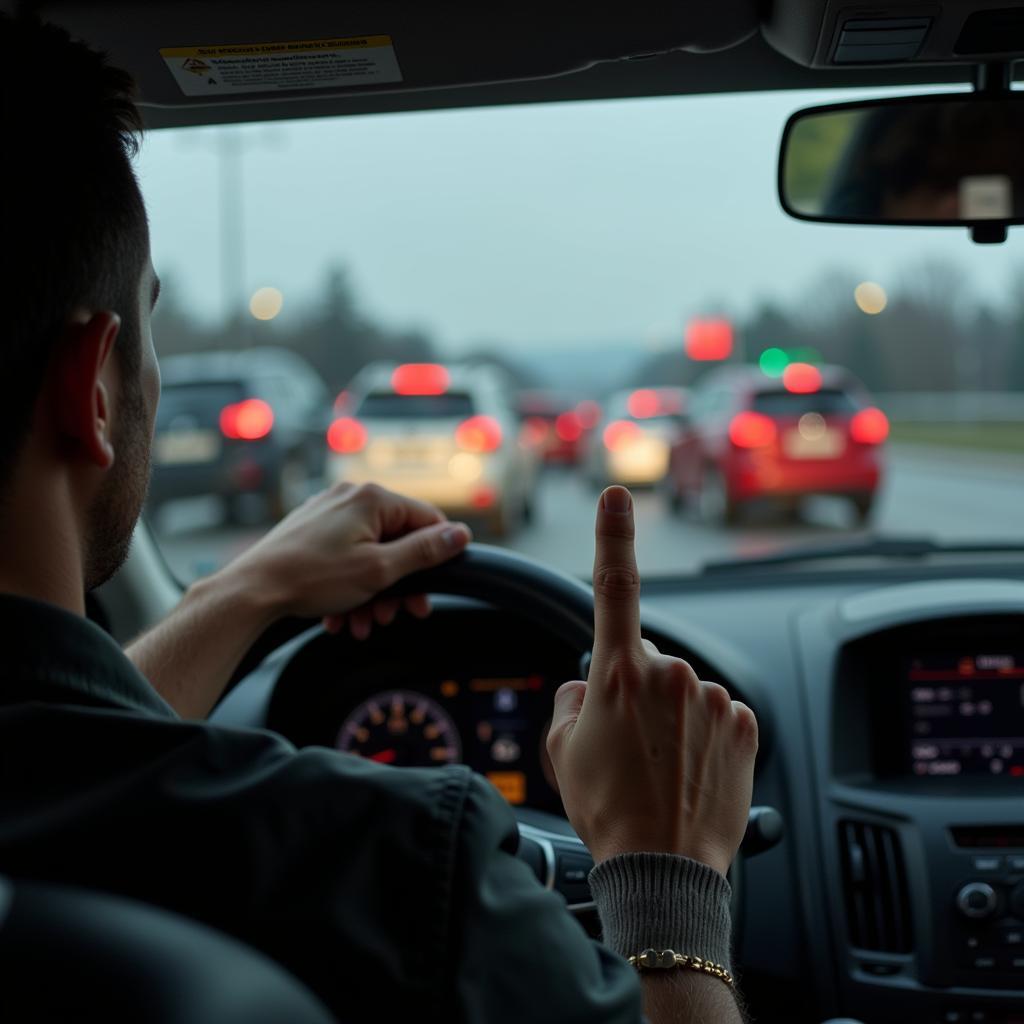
952,406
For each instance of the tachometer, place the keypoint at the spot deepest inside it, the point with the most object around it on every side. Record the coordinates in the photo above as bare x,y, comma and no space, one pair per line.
401,727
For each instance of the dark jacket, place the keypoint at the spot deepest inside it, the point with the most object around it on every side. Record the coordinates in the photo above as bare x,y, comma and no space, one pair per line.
395,894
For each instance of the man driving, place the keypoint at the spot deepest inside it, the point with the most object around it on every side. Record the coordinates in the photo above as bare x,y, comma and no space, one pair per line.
392,893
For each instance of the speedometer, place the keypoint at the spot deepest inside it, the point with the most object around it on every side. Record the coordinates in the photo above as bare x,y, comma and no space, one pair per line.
401,727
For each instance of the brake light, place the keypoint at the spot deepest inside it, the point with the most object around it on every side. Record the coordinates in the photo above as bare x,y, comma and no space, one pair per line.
246,421
568,426
346,436
869,426
752,430
708,340
643,403
478,434
420,379
801,378
620,433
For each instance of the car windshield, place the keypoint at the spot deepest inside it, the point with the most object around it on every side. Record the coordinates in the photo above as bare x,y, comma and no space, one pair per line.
503,310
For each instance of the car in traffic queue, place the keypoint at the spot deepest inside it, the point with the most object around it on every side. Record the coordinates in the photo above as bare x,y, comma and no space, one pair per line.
556,425
632,442
239,425
448,435
811,430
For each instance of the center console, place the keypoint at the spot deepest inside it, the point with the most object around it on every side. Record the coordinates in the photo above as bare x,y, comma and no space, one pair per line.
920,749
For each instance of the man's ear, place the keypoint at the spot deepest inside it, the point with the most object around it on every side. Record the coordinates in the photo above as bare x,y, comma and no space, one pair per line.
82,382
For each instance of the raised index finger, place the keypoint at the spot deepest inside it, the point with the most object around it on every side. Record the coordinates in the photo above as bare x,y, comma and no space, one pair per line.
616,578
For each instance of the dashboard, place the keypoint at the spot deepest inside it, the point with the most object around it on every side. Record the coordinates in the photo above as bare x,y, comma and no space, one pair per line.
456,691
891,707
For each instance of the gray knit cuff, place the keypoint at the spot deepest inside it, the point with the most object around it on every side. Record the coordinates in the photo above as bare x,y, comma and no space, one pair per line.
662,901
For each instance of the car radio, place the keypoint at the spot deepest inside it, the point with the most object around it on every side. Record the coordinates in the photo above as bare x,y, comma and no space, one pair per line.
963,714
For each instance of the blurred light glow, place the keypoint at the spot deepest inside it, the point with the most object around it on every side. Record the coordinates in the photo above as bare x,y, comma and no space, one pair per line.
708,340
346,436
266,303
478,434
568,427
773,361
870,297
246,421
420,379
801,378
811,426
643,403
752,430
869,426
484,497
620,433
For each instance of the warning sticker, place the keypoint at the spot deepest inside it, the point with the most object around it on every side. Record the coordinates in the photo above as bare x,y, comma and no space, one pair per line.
270,67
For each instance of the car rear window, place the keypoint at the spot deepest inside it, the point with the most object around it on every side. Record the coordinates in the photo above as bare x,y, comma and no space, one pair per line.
785,403
201,400
386,405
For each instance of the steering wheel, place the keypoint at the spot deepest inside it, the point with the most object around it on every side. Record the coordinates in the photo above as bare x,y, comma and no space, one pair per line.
564,606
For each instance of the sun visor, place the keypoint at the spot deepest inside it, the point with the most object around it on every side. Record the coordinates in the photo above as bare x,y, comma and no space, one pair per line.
840,34
193,54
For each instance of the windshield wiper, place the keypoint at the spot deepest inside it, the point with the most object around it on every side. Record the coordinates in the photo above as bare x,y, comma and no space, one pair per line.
873,547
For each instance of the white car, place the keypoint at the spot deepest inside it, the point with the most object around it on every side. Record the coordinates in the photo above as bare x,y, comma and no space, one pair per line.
444,434
631,444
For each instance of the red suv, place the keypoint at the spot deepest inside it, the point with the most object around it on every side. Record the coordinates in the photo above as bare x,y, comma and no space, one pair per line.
811,431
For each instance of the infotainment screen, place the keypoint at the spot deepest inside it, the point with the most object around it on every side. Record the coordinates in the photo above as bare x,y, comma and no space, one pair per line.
965,714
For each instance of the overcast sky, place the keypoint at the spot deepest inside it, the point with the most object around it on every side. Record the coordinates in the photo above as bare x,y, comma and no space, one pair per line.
567,224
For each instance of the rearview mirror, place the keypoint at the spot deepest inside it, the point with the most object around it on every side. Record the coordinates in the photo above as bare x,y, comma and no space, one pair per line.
924,160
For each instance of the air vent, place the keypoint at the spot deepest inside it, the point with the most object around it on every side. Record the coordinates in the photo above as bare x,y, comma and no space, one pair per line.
875,887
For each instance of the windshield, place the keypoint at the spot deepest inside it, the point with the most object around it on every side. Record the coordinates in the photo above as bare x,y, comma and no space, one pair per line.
573,295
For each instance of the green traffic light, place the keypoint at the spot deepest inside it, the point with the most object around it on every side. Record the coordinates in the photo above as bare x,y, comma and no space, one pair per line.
773,362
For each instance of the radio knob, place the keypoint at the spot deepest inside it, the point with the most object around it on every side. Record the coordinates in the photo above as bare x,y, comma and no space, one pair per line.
976,900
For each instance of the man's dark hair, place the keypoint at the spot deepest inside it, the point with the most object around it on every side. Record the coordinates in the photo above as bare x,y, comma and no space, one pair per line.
73,224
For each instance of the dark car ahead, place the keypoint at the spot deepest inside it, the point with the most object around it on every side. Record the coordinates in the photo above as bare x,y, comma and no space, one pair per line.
238,424
555,425
749,436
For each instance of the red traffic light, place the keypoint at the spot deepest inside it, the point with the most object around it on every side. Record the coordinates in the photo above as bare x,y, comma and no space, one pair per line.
709,340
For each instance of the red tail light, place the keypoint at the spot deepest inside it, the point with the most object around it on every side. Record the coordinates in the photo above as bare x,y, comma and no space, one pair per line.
643,403
620,433
478,434
568,427
869,426
420,379
246,421
346,436
752,430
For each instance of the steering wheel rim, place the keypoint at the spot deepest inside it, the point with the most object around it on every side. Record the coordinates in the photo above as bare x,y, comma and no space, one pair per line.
547,597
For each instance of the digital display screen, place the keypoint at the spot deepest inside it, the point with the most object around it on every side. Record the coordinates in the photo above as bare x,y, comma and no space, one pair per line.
965,714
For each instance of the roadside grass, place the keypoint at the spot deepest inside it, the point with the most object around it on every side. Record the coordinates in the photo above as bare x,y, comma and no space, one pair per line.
993,437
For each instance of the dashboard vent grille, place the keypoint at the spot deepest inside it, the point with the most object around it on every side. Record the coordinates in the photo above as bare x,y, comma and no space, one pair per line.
875,888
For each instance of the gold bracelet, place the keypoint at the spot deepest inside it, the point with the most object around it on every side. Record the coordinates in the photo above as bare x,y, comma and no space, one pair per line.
659,959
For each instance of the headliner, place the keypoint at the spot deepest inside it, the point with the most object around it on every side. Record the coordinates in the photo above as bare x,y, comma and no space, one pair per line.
542,53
